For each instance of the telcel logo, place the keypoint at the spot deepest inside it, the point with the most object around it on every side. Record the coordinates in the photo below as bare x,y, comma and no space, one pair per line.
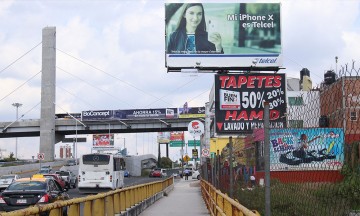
264,60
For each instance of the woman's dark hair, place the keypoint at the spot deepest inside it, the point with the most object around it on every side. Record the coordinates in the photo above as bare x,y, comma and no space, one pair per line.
303,136
182,21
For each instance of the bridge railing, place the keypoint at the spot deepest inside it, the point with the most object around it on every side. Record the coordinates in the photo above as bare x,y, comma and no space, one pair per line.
219,203
109,203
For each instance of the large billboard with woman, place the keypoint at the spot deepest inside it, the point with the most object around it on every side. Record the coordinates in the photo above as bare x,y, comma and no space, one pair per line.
222,35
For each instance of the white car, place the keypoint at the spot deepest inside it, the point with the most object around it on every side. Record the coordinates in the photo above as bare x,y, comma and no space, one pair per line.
6,180
195,174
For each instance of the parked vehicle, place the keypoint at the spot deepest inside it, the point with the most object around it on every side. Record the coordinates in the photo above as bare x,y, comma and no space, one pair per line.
27,192
6,180
126,173
195,175
68,177
99,172
163,173
156,173
151,173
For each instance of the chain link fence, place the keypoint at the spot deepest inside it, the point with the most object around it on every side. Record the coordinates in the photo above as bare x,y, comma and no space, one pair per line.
314,160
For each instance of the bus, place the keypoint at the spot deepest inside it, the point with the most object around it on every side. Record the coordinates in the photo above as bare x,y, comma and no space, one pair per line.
100,172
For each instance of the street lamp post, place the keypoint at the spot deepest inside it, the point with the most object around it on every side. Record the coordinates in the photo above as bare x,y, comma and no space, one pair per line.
17,105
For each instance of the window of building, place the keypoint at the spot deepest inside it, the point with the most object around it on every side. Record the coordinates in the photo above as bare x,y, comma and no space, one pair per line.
296,123
353,116
295,101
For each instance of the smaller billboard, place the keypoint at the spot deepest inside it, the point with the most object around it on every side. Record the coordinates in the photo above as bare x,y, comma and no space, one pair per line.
163,137
103,141
192,112
306,149
94,115
163,113
177,139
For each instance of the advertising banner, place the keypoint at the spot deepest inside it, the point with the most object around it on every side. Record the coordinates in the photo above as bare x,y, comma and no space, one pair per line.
168,113
239,101
306,149
224,35
163,137
93,115
192,112
177,139
103,141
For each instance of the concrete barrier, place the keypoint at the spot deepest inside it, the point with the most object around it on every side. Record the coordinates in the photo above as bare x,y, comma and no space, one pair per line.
32,167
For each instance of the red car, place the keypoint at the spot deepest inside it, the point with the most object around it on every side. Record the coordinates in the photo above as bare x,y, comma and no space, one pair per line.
156,173
57,178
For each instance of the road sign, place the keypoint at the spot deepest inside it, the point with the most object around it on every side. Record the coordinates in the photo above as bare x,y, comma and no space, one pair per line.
205,152
186,158
40,156
195,153
191,143
196,128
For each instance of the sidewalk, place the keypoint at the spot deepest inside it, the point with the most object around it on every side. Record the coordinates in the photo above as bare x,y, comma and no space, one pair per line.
184,199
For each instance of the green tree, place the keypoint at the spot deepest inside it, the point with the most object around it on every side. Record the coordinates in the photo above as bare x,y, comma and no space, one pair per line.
165,162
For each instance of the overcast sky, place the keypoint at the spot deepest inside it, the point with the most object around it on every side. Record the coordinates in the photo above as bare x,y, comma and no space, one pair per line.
99,40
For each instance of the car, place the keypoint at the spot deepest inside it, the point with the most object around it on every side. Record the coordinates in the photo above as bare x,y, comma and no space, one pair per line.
195,174
26,192
57,178
163,173
126,173
6,180
156,173
45,170
71,162
151,173
69,178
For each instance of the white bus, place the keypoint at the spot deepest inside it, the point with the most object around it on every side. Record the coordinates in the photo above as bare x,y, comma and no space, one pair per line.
100,172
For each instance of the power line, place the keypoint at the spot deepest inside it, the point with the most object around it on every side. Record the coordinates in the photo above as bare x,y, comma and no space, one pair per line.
95,87
112,76
19,58
20,86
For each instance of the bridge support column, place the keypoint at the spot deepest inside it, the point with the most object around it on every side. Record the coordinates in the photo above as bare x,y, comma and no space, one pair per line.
48,79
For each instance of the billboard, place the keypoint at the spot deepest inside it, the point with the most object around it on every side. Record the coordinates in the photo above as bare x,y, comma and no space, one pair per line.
192,112
306,149
224,35
162,113
103,141
163,137
239,101
93,115
177,139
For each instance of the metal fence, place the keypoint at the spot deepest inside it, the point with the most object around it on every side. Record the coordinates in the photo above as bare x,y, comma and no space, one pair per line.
314,160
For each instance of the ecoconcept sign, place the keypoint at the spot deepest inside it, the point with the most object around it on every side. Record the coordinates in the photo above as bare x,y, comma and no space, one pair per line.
226,35
196,128
239,101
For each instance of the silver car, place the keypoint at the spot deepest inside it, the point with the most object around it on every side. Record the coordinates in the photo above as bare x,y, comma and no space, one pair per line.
6,180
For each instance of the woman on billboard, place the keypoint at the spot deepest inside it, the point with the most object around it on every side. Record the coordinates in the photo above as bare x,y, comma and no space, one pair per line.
190,36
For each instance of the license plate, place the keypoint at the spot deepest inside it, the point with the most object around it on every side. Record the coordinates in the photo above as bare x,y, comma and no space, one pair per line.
21,201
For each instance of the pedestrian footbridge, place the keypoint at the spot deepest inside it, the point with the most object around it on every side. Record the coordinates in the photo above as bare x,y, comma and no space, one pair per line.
172,196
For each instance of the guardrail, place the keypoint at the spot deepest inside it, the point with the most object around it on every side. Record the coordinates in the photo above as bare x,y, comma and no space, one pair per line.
219,203
109,203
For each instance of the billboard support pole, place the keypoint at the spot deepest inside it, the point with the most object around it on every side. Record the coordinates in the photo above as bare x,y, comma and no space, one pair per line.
231,167
267,157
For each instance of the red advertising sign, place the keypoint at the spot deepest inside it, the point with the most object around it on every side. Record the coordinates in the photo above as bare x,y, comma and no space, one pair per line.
103,141
239,101
177,136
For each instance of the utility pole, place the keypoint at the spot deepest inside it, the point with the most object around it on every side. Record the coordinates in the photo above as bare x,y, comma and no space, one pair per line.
17,105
